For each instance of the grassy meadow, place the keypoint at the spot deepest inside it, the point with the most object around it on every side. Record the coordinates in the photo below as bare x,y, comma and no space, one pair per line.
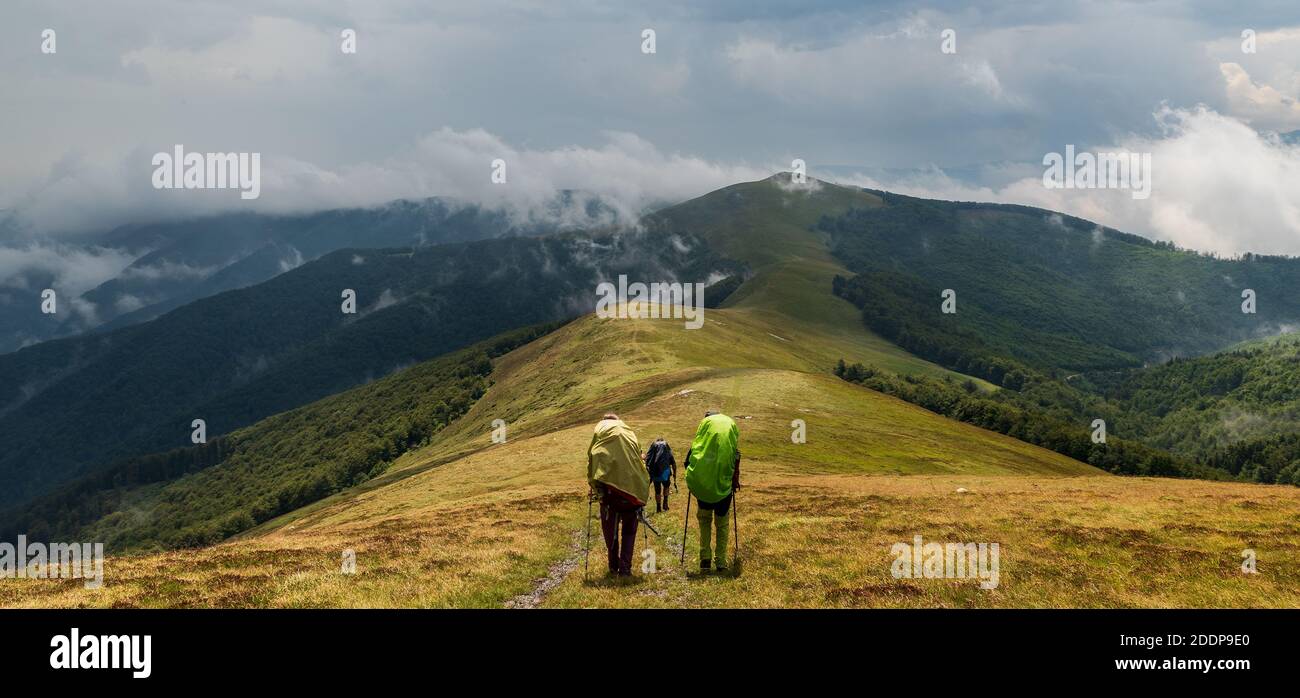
465,522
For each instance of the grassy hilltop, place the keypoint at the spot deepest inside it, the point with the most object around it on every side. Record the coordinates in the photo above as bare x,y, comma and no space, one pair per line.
461,521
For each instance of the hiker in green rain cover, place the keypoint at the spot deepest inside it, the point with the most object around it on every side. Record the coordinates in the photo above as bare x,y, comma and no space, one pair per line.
713,476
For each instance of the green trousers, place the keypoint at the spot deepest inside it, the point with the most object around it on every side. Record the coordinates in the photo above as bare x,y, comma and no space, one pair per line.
708,520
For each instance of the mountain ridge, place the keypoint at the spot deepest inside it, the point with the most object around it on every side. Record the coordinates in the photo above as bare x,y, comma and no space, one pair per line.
469,520
245,354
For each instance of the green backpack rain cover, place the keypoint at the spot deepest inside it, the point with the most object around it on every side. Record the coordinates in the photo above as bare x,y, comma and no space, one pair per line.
713,458
614,460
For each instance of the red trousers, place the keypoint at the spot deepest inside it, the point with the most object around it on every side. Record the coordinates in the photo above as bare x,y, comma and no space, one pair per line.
615,515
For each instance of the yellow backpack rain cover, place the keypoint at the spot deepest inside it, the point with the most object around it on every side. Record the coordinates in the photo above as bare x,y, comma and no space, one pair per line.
614,460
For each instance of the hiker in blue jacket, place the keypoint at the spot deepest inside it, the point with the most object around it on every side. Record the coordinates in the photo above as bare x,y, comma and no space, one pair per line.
662,467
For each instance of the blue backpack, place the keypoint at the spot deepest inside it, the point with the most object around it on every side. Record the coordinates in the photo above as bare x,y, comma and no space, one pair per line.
659,461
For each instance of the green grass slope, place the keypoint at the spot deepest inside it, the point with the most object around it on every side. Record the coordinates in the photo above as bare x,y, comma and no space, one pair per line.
136,502
466,521
771,226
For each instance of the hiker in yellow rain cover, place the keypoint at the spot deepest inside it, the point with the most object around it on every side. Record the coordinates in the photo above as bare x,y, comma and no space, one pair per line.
618,477
713,476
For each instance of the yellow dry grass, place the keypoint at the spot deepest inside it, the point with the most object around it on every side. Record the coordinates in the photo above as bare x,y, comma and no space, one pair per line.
465,522
818,520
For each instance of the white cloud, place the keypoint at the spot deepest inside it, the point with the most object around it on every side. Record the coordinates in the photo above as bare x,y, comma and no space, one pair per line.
1261,88
981,75
127,303
292,259
86,312
168,270
625,171
74,270
1259,104
1218,185
735,91
386,299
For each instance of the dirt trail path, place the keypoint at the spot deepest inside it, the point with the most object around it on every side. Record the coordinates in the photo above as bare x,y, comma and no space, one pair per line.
572,560
555,576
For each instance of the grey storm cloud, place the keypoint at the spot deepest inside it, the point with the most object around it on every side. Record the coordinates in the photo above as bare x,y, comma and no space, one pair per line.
563,93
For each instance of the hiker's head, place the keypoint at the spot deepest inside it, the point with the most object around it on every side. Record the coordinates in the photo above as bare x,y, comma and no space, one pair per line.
710,413
610,415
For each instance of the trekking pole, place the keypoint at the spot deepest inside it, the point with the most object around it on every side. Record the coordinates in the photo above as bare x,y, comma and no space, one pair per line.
735,513
586,558
686,525
640,514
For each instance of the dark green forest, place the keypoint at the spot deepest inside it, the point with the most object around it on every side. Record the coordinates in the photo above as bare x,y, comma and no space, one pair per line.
71,406
1051,291
965,402
206,493
1077,323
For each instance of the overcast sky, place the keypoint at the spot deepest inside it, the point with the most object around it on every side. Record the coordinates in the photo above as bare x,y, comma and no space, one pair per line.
564,94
